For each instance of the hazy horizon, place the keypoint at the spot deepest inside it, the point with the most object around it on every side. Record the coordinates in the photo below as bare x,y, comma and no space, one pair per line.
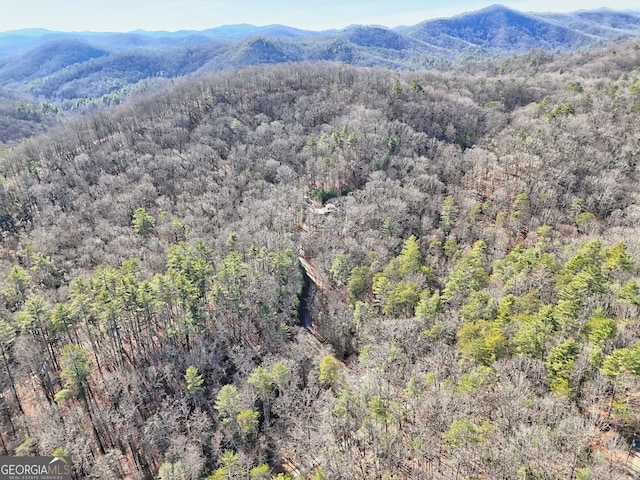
175,15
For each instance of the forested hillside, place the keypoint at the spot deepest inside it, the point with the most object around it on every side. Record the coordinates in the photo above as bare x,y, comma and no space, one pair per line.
328,271
48,77
81,70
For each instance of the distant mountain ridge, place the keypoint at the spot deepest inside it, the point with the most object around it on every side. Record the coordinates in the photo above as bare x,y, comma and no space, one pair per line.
499,28
75,67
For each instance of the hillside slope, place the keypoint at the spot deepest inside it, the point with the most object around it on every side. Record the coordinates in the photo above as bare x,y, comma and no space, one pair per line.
35,58
473,238
499,28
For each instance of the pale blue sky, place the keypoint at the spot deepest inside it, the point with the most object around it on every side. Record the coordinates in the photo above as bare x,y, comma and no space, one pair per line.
127,15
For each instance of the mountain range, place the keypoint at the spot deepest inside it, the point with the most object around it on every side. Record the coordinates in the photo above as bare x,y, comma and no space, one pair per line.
74,69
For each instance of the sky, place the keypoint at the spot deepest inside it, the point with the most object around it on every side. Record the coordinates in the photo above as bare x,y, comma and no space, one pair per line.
173,15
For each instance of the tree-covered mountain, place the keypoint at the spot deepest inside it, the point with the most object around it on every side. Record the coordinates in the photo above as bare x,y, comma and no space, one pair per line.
600,23
329,271
47,58
49,65
498,28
